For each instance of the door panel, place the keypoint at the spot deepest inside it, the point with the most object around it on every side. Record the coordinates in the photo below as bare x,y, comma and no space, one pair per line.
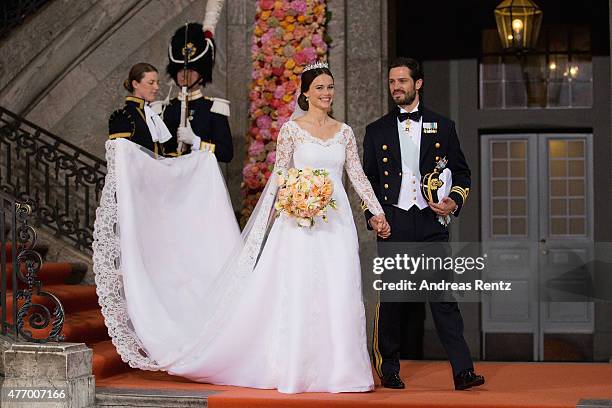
537,232
566,233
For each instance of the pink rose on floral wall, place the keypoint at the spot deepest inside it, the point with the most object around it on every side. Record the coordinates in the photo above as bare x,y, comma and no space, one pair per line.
310,53
276,103
264,122
265,134
279,14
317,40
299,6
257,147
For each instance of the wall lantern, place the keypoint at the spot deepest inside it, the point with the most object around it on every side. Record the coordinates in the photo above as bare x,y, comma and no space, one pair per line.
518,24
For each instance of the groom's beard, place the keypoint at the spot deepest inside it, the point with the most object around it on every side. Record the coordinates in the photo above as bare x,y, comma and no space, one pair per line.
405,99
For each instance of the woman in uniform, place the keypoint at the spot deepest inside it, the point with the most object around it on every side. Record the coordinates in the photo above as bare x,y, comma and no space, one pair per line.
136,121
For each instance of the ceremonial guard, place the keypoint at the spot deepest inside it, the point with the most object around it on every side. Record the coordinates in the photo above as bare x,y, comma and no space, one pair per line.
198,122
409,154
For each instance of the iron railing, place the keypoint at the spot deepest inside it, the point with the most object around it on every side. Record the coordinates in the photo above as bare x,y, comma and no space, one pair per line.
64,181
27,312
13,12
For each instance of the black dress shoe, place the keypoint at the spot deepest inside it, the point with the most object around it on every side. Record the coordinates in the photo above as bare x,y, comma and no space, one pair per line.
467,379
392,381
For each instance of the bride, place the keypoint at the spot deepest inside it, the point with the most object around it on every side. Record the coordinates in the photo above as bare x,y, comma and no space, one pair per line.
285,311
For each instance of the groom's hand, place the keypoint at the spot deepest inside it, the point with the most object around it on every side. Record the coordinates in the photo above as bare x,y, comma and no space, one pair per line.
444,207
385,231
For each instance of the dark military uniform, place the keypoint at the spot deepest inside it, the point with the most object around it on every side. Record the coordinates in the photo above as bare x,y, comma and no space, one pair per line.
383,166
382,160
211,127
129,122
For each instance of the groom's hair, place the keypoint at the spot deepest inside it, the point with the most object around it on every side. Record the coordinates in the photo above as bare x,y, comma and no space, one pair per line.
416,69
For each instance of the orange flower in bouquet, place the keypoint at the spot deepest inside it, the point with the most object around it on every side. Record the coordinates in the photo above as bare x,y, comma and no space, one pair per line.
305,194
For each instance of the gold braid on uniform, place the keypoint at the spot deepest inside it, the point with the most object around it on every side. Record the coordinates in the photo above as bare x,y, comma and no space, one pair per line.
364,207
463,192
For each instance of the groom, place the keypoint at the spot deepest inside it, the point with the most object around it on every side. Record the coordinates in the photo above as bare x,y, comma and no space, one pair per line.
398,149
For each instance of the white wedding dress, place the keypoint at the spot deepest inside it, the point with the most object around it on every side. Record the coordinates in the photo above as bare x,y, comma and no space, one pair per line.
292,321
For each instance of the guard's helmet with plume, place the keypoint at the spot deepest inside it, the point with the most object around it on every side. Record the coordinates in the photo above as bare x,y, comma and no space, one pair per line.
192,43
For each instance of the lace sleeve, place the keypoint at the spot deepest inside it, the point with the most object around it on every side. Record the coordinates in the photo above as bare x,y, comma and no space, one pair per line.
360,182
284,149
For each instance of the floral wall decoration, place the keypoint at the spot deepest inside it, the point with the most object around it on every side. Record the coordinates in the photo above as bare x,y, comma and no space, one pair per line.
287,36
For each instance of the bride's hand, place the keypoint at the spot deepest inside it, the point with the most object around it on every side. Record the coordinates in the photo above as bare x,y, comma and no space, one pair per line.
375,221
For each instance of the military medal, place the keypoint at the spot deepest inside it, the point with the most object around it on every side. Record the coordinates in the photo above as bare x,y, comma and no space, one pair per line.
430,127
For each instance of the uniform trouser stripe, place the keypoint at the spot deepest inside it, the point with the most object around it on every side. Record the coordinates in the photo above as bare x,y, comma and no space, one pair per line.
377,356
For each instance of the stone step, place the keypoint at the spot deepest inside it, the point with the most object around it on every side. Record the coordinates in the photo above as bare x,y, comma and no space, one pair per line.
594,403
131,397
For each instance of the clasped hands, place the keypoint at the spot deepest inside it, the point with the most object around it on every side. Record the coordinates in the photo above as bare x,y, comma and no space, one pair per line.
380,225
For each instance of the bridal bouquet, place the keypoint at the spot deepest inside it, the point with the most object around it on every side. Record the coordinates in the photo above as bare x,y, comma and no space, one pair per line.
305,194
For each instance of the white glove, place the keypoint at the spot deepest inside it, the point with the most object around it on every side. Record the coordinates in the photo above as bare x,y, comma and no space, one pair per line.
185,135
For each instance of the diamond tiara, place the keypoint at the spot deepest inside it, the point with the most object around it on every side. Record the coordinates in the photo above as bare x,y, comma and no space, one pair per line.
315,66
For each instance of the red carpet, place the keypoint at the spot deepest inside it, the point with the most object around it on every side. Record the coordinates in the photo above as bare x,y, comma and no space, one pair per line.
428,383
